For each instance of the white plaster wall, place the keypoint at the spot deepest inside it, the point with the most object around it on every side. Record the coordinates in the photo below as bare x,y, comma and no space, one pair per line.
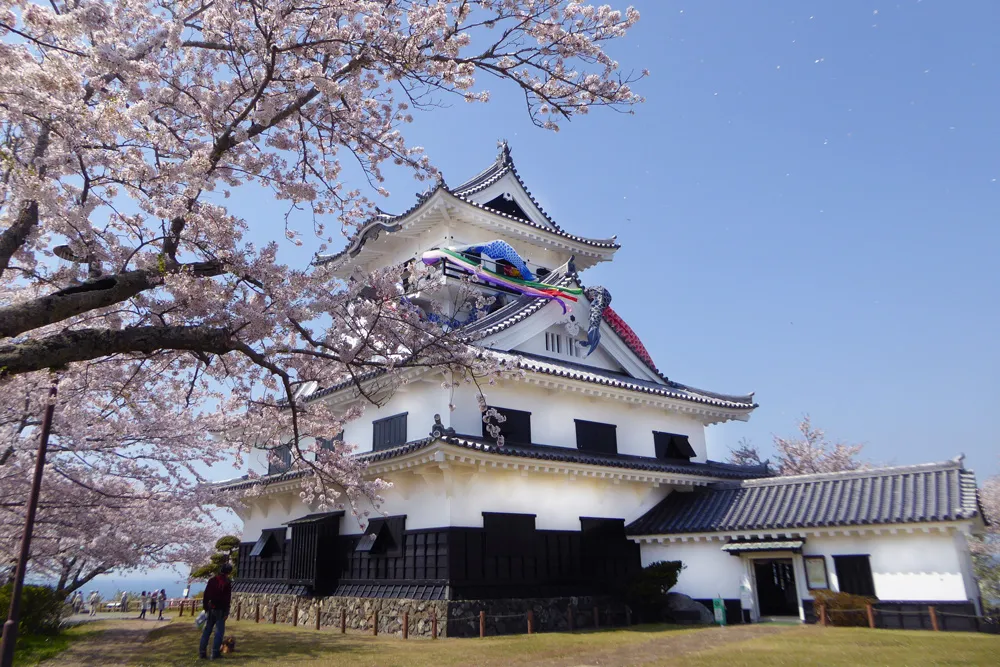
553,412
457,496
709,573
905,567
918,566
271,512
421,399
599,359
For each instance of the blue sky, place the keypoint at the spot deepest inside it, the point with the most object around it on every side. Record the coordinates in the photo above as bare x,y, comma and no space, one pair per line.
806,204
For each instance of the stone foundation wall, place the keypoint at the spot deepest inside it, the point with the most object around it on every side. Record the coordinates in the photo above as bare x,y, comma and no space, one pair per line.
508,617
456,618
360,612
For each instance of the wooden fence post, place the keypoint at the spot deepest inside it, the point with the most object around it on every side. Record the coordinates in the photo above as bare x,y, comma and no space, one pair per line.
319,610
531,622
256,613
343,621
181,613
375,623
239,609
482,624
871,615
434,624
934,618
406,624
274,613
597,619
569,617
295,613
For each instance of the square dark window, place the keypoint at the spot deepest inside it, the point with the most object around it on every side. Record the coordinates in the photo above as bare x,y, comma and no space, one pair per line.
596,437
269,544
279,460
854,575
383,537
516,428
389,432
672,446
509,534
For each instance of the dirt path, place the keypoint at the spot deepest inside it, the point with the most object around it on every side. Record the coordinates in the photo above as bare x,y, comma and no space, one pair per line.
118,644
668,646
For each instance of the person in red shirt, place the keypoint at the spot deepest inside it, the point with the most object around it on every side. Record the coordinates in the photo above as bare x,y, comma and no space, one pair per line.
218,596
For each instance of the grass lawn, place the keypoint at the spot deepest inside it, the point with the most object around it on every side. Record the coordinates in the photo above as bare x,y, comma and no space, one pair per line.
737,646
264,644
833,647
33,649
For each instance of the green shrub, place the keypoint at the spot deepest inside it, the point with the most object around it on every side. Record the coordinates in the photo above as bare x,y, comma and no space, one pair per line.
647,590
42,609
844,609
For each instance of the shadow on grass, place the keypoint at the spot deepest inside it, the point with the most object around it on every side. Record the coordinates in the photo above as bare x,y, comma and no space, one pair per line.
177,644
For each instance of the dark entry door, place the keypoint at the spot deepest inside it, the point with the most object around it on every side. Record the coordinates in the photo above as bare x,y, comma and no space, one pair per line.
776,587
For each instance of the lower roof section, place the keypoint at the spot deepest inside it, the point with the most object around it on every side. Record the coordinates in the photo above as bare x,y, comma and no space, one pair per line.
708,471
907,494
535,452
267,588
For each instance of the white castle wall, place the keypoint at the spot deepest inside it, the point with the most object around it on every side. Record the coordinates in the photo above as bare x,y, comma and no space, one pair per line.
430,500
553,413
906,567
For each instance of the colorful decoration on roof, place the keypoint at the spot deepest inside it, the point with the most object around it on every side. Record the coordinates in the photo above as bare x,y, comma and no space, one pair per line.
470,263
630,338
599,298
501,251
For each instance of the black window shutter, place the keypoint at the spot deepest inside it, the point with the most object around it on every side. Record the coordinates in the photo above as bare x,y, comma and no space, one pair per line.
515,430
672,446
596,437
509,534
854,575
389,432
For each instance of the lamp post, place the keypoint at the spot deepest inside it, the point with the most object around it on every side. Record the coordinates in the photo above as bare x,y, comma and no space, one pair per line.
10,627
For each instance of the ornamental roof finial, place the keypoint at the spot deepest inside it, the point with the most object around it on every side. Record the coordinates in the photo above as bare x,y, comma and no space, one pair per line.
503,157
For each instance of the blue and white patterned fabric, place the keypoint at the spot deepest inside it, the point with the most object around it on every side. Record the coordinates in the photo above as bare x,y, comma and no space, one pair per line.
497,250
600,298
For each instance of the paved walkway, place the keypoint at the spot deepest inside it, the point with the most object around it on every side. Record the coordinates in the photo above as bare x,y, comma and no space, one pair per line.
118,643
76,619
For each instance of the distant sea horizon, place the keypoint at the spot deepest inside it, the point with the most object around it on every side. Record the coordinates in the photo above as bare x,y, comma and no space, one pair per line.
109,585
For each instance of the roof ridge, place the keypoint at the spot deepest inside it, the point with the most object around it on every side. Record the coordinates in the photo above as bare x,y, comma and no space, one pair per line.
951,464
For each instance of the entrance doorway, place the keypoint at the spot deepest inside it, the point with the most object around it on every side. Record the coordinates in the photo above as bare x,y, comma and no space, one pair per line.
776,587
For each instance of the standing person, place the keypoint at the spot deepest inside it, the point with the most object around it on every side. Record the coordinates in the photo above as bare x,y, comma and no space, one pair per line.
218,596
143,602
95,601
161,602
124,602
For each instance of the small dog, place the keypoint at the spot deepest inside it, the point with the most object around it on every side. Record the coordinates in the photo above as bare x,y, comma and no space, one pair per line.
229,645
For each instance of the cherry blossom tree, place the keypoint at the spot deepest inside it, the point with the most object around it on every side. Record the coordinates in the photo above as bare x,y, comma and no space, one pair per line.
808,453
986,548
127,127
124,475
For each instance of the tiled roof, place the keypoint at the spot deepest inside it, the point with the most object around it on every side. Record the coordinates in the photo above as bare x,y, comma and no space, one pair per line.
388,223
266,588
535,452
369,589
668,389
569,455
907,494
503,165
